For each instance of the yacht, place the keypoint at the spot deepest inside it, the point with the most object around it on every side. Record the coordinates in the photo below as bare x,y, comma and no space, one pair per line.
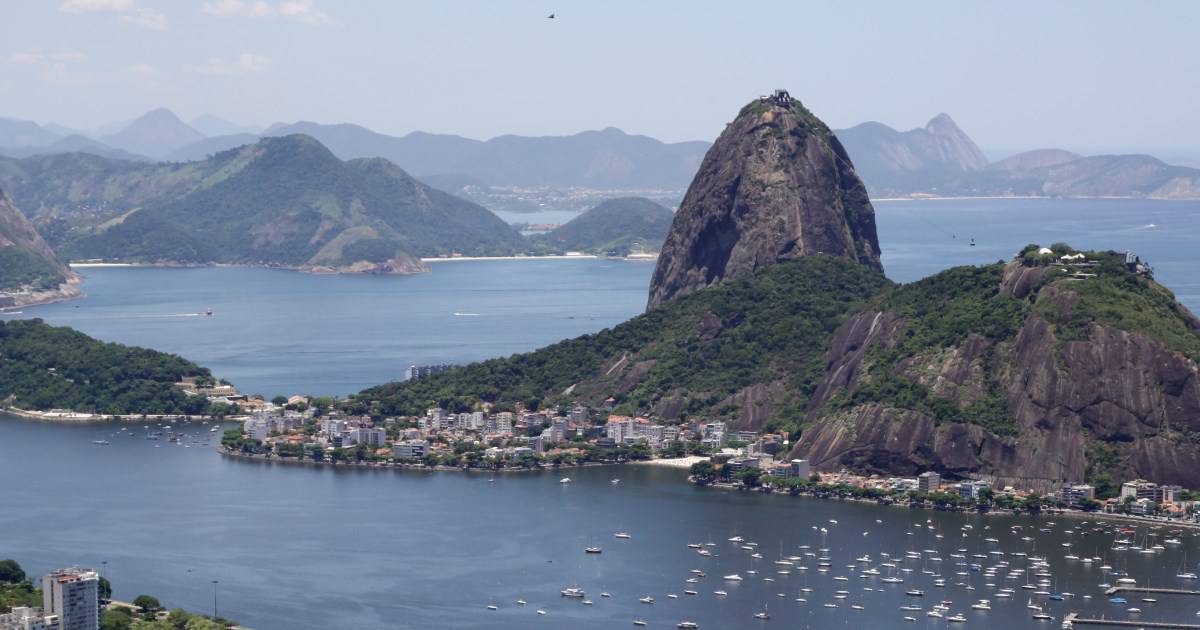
733,577
592,550
646,600
622,535
572,591
638,622
689,625
565,480
491,607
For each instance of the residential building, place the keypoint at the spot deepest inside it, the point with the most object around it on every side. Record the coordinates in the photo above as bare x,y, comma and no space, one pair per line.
929,481
73,595
1074,494
800,468
257,427
422,371
1139,489
24,618
971,489
410,449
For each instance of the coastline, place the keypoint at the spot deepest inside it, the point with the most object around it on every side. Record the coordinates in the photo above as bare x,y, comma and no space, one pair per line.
399,466
1051,512
69,290
66,416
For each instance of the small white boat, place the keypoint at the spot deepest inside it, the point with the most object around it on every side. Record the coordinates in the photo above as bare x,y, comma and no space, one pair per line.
565,480
491,607
646,600
622,535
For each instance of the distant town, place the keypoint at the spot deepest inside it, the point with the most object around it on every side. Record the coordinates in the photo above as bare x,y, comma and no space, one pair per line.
313,430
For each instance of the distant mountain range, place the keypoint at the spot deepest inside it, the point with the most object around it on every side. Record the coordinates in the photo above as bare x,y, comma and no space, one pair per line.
938,159
281,201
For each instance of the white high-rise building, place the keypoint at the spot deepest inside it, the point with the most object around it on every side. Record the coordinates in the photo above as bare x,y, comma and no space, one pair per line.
73,595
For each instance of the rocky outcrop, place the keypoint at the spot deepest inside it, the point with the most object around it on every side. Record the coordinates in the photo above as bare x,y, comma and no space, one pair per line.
1115,392
777,185
30,273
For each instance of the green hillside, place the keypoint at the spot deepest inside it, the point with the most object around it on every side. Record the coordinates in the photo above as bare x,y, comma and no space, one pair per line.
692,354
44,367
614,227
289,201
284,200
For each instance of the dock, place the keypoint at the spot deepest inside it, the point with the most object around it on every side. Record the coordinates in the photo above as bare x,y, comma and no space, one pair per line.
1074,619
1113,590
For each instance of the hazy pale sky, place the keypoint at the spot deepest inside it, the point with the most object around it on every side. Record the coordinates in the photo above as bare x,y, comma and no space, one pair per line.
1085,75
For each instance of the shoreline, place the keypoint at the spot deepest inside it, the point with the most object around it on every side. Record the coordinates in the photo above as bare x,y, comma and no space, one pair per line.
73,417
398,466
71,289
1052,512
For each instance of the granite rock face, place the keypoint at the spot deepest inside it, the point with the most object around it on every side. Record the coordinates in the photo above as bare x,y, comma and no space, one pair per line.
777,185
1116,392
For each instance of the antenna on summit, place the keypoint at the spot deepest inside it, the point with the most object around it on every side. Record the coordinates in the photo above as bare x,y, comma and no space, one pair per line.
779,97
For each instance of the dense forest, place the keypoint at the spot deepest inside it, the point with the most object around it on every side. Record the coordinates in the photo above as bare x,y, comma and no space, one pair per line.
44,367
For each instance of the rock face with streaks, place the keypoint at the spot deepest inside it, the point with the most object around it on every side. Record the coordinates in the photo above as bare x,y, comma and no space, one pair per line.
1107,399
776,185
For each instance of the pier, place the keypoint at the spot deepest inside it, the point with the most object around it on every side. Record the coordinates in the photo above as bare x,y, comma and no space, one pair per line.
1074,619
1113,590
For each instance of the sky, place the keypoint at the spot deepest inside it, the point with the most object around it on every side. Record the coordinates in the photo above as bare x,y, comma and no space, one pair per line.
1091,76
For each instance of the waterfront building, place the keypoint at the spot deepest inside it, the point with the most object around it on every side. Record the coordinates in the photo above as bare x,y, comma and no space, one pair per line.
257,427
971,489
929,481
73,595
1140,489
1074,494
410,449
800,468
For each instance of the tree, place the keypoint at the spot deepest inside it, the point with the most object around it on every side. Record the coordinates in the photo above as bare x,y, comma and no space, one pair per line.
11,572
201,623
115,619
704,472
147,603
178,618
750,477
105,589
279,401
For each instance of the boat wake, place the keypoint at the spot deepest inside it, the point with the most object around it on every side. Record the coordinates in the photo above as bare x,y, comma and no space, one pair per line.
456,314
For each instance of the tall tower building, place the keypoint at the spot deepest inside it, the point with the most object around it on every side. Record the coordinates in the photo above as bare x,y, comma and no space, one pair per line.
74,596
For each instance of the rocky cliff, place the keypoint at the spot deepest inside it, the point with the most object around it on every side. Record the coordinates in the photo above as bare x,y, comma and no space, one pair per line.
1075,378
30,273
777,185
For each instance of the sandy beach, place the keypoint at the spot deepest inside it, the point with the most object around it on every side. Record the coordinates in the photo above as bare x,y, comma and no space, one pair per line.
675,462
